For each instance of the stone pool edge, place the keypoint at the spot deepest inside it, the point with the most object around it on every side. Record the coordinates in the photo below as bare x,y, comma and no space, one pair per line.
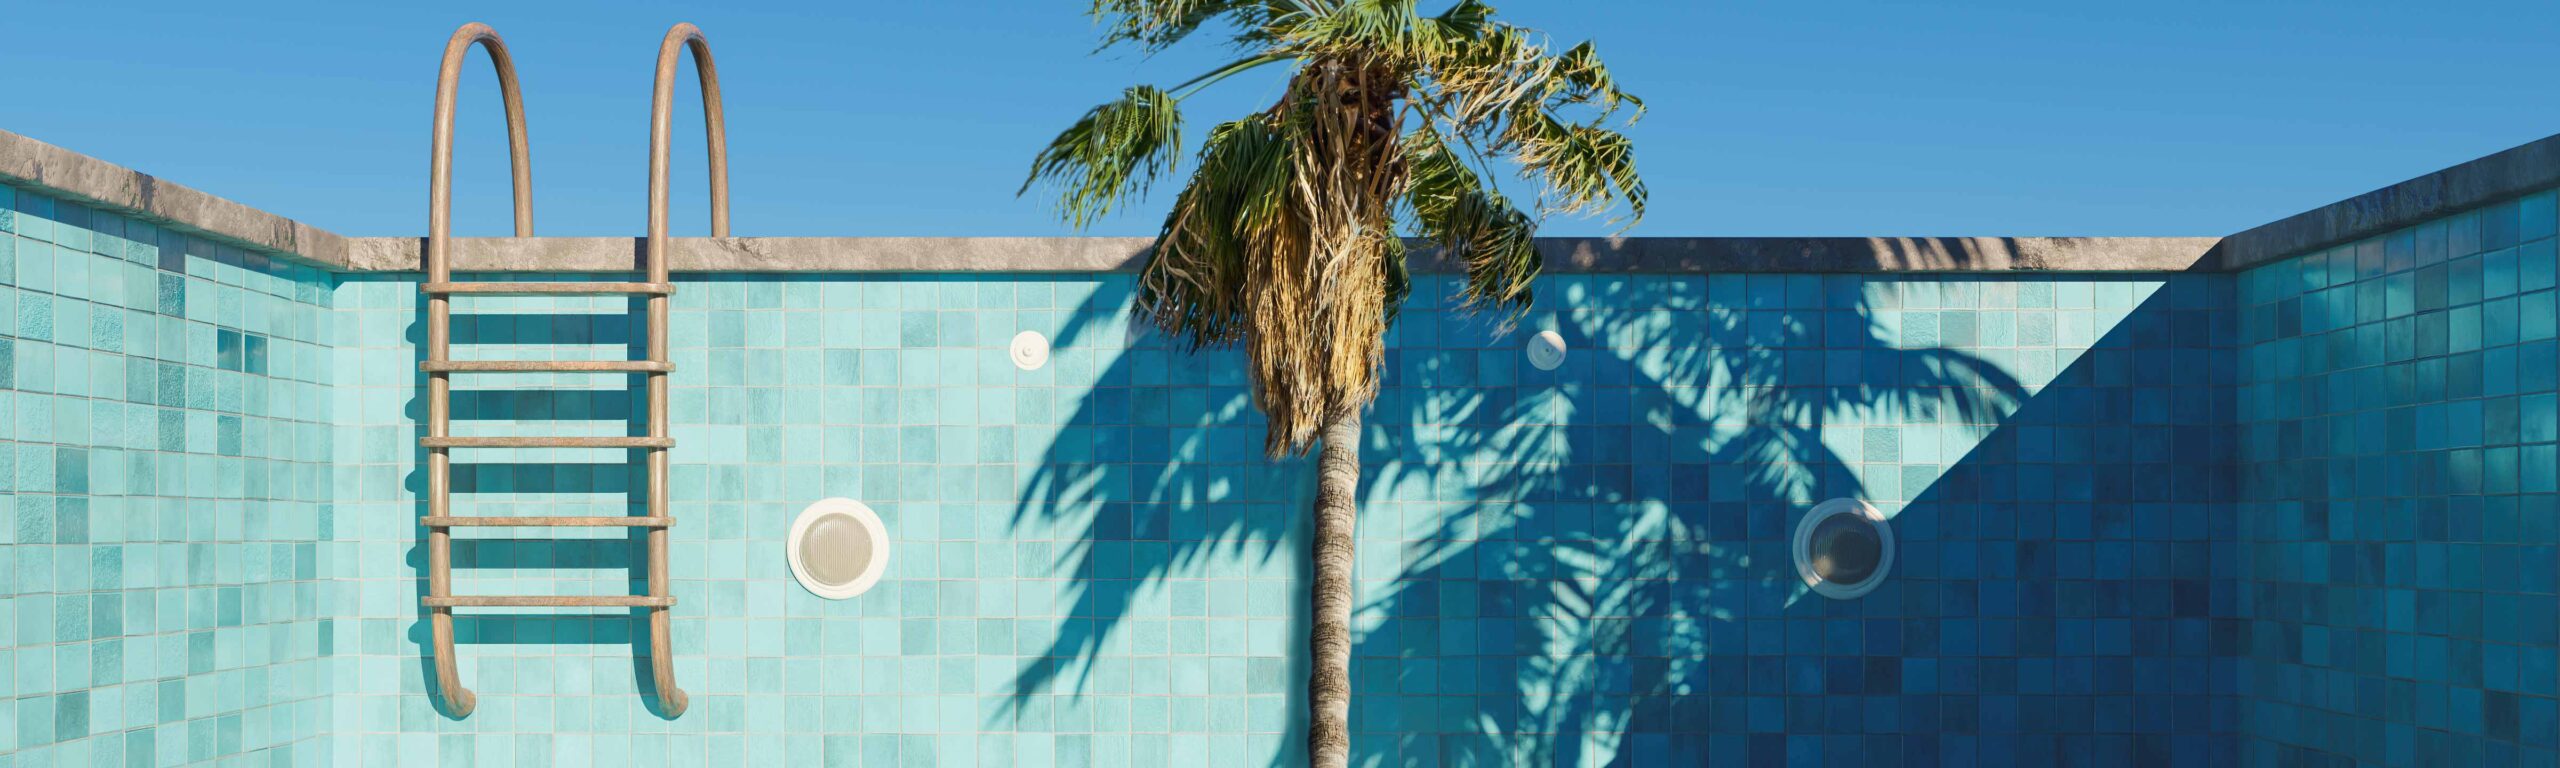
2489,179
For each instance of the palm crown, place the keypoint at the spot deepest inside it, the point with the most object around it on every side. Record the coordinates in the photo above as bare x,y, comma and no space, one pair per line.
1286,237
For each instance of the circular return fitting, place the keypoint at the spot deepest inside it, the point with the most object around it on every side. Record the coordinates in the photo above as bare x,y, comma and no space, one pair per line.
838,548
1843,548
1029,350
1546,350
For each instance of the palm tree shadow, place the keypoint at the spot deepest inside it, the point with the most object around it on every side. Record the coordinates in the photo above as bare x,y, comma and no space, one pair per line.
1156,475
1593,526
1588,566
1586,595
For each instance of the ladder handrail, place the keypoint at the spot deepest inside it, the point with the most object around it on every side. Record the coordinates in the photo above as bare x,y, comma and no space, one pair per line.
671,699
440,162
715,135
440,600
458,699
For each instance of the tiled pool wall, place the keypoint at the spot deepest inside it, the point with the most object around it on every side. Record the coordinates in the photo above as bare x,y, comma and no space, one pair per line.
2400,550
1589,565
2301,514
164,457
1094,565
893,391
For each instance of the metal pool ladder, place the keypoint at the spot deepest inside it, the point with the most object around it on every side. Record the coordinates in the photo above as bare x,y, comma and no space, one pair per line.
439,365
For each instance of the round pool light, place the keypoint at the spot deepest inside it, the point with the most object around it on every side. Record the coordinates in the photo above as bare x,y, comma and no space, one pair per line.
838,548
1843,548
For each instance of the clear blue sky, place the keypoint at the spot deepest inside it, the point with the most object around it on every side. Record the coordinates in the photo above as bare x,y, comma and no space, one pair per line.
2006,117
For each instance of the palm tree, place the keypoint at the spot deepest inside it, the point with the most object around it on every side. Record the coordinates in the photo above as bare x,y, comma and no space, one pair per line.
1286,237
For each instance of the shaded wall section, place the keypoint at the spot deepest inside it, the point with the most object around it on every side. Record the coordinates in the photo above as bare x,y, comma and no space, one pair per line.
164,440
1589,566
2398,532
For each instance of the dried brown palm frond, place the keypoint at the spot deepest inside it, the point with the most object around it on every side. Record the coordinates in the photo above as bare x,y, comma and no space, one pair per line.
1284,239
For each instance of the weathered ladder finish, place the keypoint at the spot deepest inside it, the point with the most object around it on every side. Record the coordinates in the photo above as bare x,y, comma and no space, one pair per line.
439,366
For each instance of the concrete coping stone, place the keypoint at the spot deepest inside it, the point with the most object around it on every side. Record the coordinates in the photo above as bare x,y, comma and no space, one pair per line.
90,181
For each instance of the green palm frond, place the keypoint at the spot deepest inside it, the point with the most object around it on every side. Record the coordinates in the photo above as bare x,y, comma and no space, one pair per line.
1450,205
1583,168
1112,155
1373,26
1505,89
1581,78
1504,70
1192,285
1395,30
1154,25
1467,19
1284,238
1399,279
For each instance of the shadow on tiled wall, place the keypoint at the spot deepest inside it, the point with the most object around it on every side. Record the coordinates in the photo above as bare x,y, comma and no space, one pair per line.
1148,482
1604,577
1589,565
1615,520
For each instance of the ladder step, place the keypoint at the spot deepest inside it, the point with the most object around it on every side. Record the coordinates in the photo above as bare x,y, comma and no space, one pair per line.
549,289
541,366
548,601
547,442
548,522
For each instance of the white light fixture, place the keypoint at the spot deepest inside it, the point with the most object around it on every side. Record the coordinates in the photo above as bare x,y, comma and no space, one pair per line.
1843,549
838,548
1030,350
1546,350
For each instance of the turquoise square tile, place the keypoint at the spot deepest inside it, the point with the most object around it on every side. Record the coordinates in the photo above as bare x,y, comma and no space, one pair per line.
2498,273
35,316
35,213
2534,216
2535,265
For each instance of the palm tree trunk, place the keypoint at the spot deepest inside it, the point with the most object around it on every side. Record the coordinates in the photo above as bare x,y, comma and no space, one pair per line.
1329,632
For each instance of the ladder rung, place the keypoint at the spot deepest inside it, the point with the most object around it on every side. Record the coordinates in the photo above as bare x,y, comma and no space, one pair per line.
547,442
550,289
548,522
548,601
540,366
